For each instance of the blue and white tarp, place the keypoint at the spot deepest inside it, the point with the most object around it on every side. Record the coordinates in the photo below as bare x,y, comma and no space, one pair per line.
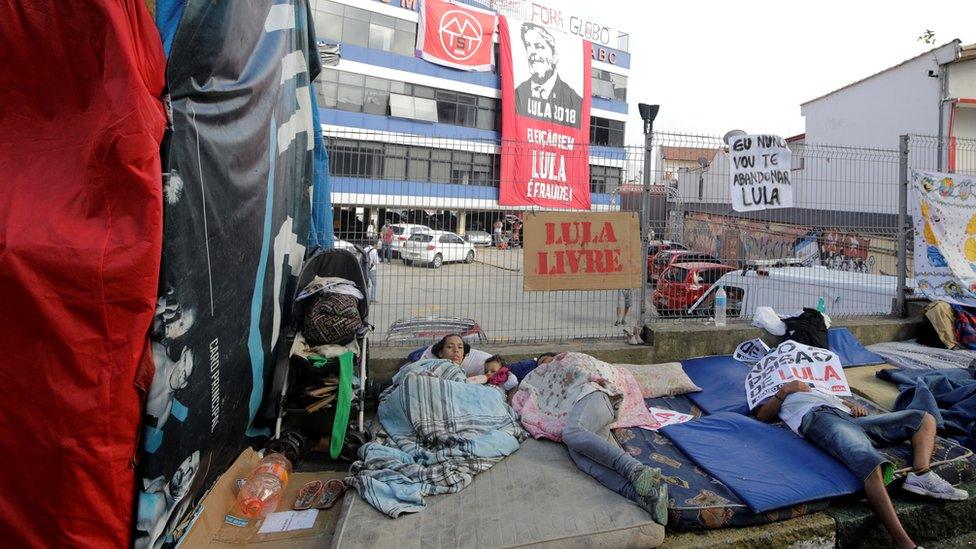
944,213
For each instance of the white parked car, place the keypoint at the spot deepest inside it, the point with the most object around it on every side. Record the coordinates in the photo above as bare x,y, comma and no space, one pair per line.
478,238
403,231
436,248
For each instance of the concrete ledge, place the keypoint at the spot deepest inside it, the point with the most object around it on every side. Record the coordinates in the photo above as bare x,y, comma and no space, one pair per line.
810,532
669,342
924,520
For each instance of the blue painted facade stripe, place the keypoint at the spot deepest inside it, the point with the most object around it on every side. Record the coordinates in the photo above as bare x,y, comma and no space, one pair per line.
357,122
415,65
357,185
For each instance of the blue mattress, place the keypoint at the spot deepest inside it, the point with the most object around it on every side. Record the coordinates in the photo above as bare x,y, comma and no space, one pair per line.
773,468
722,379
849,349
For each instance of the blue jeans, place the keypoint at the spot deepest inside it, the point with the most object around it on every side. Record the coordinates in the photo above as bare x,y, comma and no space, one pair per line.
592,448
386,252
372,284
851,440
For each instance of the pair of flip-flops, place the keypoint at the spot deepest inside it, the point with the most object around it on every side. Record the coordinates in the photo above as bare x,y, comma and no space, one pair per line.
319,495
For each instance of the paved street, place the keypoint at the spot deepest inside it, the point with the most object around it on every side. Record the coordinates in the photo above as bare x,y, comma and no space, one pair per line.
490,292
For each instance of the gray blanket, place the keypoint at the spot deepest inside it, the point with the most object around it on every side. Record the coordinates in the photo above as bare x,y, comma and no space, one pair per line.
913,356
438,431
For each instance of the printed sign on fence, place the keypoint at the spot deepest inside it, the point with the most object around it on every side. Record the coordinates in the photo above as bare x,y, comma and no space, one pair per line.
666,417
581,251
760,168
945,236
819,368
751,351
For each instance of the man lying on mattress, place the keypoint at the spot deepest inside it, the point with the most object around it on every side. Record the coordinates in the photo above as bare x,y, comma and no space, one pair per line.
844,431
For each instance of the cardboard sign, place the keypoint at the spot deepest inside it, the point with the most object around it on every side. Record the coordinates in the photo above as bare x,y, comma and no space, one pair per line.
456,35
751,351
760,168
581,251
945,236
819,368
545,81
668,417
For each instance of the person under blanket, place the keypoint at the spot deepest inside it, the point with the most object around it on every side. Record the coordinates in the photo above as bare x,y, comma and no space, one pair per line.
847,433
498,374
577,399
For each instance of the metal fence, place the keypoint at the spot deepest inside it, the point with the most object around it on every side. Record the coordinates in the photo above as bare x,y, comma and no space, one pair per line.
838,246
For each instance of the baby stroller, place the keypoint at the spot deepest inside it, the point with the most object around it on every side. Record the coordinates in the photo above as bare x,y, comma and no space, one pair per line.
319,390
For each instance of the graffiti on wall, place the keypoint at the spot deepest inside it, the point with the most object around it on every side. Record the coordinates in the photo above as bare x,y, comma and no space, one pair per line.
735,241
846,252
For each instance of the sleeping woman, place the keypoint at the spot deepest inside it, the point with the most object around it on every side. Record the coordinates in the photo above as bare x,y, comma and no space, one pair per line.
577,399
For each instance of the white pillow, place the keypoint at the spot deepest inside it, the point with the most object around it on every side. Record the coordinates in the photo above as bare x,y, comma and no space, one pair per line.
473,363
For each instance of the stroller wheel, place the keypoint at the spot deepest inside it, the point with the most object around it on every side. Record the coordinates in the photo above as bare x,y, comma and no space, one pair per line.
291,443
350,447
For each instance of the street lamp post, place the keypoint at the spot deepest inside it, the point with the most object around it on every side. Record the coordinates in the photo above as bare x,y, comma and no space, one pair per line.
648,113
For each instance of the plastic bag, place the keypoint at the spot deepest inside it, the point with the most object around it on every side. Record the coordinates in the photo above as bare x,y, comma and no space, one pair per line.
767,319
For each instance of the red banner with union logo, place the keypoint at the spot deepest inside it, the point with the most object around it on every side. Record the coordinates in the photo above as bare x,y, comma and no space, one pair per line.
545,78
456,36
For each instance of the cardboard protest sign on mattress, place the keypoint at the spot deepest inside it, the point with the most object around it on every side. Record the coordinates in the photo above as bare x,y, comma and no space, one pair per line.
237,174
944,215
791,361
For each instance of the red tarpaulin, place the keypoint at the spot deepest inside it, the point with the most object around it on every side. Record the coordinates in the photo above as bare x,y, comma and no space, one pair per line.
80,239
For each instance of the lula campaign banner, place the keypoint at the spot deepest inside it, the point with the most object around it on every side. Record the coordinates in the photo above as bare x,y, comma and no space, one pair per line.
456,36
545,79
945,236
790,361
760,170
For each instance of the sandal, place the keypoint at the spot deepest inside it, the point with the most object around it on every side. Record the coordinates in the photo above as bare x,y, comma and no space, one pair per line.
334,489
308,495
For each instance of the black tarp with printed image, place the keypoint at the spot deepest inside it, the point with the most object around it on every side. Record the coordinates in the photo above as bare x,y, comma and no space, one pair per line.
237,172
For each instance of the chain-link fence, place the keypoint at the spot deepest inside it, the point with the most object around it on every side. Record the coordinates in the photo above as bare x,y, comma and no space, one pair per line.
452,260
836,247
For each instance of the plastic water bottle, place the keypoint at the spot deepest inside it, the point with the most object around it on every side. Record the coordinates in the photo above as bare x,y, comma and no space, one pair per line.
721,305
259,496
822,305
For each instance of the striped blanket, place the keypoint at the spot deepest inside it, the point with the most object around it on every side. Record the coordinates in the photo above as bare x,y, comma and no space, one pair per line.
437,432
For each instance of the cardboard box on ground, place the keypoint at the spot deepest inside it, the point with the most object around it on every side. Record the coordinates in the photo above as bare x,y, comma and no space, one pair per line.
209,528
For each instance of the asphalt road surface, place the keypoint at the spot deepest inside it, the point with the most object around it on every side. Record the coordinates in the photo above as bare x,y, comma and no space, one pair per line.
489,291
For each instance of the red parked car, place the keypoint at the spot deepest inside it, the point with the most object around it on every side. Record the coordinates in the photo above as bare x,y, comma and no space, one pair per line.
682,284
665,259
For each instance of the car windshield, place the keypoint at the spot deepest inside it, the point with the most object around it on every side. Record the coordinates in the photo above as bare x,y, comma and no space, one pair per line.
398,230
421,237
677,274
709,276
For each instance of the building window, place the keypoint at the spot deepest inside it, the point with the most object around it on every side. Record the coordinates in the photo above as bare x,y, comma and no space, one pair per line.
357,93
609,133
604,179
336,22
608,85
395,162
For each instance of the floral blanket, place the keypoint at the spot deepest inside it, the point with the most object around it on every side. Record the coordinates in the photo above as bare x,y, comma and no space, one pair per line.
546,396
